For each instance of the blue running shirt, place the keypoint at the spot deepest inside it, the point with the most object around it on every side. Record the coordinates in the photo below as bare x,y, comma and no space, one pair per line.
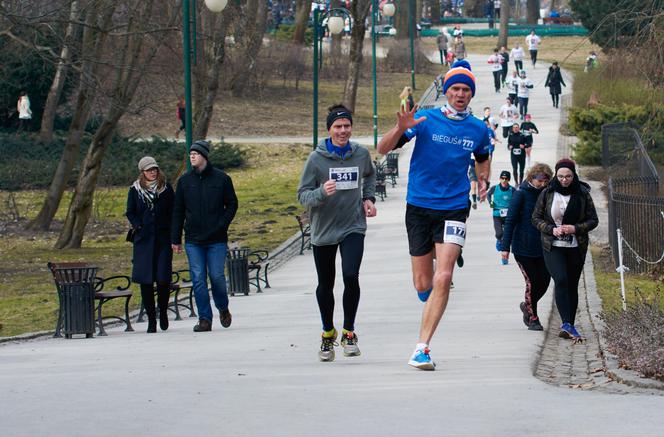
438,175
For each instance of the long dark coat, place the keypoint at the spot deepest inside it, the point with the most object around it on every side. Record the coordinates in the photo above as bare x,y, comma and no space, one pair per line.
553,80
152,256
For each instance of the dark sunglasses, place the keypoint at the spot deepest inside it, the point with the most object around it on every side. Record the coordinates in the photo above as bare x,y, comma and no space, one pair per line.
503,177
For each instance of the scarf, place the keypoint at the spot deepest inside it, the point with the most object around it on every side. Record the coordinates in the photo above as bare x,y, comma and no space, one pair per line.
573,211
150,194
453,114
340,151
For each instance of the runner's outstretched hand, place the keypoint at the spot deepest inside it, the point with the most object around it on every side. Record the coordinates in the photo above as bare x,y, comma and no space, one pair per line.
406,118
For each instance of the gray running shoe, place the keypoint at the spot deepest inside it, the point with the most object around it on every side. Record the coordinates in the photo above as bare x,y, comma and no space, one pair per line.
349,343
326,352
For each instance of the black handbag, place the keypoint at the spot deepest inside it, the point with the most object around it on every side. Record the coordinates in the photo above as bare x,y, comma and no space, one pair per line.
130,235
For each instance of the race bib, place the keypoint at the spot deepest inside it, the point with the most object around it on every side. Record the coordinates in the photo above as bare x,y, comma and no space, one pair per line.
455,232
516,151
503,212
346,177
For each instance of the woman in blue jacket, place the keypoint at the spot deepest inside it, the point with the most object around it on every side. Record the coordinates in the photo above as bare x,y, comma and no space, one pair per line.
524,240
149,210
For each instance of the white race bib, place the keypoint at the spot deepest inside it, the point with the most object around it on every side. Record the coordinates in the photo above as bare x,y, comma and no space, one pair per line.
455,232
503,212
516,151
346,177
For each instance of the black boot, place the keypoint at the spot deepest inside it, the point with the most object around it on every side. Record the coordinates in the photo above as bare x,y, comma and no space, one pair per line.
147,295
163,294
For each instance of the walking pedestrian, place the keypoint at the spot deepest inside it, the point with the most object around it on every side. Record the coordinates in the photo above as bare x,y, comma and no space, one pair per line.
523,239
437,201
505,63
459,48
496,8
24,112
516,144
508,115
517,54
181,114
533,41
205,205
337,186
495,61
564,215
406,97
442,41
149,211
528,128
553,80
524,85
499,197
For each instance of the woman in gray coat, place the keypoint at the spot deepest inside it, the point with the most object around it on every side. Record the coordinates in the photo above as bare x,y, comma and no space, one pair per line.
337,186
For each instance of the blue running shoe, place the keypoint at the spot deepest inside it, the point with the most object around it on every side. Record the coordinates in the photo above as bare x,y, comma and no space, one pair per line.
422,360
568,331
497,245
424,295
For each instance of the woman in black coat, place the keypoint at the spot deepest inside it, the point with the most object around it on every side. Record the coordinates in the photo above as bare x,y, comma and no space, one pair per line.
149,210
553,80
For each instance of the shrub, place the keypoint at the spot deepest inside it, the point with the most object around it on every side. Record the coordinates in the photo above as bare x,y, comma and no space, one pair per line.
31,165
636,336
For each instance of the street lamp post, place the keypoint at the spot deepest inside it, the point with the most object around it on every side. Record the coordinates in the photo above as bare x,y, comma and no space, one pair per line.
411,26
187,14
335,24
388,11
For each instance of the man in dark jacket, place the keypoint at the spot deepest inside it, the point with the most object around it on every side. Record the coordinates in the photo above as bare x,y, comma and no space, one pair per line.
205,205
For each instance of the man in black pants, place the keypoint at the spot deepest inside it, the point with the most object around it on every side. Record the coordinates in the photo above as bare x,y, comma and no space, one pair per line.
516,143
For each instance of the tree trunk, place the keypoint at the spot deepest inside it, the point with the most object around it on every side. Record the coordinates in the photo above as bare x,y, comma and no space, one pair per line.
94,38
401,19
335,43
503,34
359,10
51,104
533,11
435,11
256,21
302,11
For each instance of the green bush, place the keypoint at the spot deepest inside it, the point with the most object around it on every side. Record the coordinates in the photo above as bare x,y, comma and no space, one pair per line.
30,165
586,124
285,33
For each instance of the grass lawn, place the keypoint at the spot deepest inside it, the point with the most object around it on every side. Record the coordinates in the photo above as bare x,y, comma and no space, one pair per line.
28,302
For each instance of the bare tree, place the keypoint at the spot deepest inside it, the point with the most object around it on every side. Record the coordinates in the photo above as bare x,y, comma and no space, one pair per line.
359,9
435,11
61,69
248,43
139,43
503,34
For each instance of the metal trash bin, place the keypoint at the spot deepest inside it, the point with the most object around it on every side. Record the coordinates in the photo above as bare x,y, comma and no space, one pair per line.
77,299
237,267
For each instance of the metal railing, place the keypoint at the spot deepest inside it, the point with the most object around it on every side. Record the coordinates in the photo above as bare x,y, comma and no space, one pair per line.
635,206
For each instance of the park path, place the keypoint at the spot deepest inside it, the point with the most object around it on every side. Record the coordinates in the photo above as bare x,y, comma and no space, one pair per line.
261,377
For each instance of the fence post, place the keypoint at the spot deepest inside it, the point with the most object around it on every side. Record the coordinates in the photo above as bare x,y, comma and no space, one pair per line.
621,269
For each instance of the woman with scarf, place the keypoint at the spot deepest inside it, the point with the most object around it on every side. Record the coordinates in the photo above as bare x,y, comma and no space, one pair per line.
149,210
523,240
564,215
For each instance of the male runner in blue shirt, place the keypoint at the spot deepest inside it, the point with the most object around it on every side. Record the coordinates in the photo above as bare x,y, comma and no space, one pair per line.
437,199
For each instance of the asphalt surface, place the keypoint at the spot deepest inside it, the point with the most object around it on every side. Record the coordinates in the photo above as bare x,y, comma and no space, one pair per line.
261,377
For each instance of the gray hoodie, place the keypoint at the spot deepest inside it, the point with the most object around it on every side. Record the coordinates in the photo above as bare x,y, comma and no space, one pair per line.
334,217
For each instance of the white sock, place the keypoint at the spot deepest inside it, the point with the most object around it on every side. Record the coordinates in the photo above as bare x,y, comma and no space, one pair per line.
527,161
421,346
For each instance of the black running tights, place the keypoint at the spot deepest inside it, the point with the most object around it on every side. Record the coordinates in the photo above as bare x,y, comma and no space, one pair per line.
352,249
498,225
537,279
555,98
518,165
565,265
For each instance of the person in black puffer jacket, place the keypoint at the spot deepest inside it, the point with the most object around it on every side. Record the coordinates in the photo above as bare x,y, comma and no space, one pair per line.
553,80
524,240
205,205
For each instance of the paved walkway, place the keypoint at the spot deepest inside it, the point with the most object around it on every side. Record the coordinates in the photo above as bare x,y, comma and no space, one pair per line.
261,377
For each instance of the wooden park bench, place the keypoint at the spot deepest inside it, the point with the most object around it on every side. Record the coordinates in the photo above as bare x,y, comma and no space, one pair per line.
305,230
568,21
68,273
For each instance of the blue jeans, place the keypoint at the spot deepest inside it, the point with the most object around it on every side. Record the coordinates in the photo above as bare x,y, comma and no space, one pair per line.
208,260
